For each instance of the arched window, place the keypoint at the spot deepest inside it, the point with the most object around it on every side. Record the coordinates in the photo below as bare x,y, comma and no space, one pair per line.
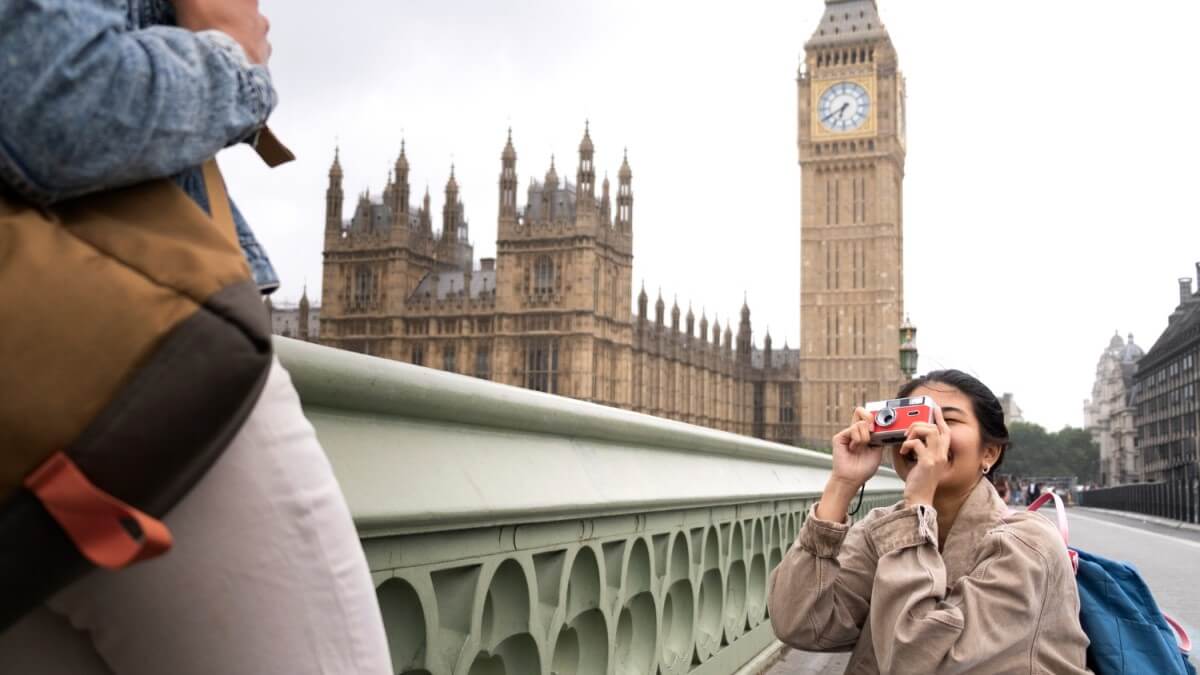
543,276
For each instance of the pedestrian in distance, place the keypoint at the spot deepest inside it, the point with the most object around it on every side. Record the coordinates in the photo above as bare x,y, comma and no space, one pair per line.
104,99
1002,490
947,580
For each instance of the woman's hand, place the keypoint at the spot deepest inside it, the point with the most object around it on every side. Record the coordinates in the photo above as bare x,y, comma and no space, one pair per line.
931,445
239,19
855,460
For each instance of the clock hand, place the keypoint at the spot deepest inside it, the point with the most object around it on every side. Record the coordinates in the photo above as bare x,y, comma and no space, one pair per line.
837,112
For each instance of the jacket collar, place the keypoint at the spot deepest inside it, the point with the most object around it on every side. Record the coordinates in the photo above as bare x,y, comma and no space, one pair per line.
982,511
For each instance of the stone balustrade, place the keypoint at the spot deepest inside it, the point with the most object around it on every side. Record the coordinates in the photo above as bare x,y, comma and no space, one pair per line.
511,532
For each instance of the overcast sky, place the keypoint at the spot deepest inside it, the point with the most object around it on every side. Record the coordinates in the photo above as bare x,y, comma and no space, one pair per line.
1051,185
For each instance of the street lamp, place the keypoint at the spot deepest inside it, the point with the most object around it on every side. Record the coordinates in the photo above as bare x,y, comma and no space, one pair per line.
908,348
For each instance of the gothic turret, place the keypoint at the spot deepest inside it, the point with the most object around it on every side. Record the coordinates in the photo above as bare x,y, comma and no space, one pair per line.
508,181
426,215
549,190
605,204
452,210
675,316
716,332
303,317
660,308
744,334
691,322
767,350
400,190
585,179
624,221
333,202
454,250
643,300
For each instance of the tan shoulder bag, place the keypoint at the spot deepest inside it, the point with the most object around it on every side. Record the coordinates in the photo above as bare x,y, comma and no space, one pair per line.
133,345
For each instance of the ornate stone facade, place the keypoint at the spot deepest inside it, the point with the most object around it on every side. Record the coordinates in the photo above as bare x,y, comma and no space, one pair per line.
852,151
551,312
1109,414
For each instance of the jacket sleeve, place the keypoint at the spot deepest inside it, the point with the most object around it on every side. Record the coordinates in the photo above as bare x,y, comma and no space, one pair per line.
90,104
991,613
821,591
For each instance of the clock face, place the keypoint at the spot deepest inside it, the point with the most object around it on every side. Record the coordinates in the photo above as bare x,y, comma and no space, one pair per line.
844,106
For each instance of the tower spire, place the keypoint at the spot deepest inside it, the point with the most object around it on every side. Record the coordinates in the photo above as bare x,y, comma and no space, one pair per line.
333,201
400,193
508,180
585,179
624,220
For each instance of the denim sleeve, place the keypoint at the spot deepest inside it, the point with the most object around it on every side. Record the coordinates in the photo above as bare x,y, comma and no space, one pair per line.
91,104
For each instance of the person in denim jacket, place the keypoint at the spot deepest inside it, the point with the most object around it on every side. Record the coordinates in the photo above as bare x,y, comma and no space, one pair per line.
106,93
267,574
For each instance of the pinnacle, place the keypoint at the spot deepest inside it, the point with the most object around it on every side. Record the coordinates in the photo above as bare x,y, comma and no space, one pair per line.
585,145
336,168
402,160
510,153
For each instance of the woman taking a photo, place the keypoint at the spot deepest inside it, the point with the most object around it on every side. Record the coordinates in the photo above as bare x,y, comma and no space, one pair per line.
945,581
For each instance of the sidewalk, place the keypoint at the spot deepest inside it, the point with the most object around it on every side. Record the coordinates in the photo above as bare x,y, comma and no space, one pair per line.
790,661
1142,518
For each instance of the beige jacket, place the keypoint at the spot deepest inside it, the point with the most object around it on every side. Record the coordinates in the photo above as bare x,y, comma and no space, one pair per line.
1001,597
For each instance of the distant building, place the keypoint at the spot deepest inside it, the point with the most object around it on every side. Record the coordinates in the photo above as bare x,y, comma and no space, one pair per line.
1012,411
300,321
1109,414
1166,388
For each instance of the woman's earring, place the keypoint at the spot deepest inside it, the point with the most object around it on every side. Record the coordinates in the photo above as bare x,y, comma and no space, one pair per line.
986,469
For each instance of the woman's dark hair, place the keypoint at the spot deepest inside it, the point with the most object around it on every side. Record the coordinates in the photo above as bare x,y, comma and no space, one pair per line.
984,404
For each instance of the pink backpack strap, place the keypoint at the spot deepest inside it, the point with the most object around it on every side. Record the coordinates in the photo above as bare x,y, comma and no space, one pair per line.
1181,636
1061,514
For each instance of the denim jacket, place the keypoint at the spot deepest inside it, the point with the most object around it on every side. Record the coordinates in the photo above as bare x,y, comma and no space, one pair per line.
98,94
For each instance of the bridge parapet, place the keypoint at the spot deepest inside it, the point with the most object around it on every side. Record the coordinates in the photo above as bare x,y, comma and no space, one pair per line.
514,532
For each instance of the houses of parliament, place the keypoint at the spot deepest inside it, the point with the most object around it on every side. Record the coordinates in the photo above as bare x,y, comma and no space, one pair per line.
555,309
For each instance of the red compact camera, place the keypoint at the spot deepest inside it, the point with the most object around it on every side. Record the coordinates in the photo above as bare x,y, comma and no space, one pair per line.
890,420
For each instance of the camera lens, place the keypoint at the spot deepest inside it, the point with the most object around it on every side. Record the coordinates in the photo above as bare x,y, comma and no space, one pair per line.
885,417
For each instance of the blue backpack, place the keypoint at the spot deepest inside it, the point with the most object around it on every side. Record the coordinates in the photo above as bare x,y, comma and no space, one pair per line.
1128,632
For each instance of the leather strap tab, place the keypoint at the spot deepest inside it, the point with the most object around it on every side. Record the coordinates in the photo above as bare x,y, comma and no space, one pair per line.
270,149
108,532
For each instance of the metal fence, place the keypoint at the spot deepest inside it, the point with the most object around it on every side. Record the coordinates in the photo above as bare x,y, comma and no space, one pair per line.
1177,498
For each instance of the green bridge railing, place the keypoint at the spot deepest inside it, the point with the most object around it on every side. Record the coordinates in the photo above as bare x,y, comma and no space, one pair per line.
512,532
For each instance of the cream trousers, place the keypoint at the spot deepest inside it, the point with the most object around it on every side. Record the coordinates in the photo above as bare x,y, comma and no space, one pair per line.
267,576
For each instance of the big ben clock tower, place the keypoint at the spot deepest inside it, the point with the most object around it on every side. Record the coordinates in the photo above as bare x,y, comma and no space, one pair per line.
852,147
